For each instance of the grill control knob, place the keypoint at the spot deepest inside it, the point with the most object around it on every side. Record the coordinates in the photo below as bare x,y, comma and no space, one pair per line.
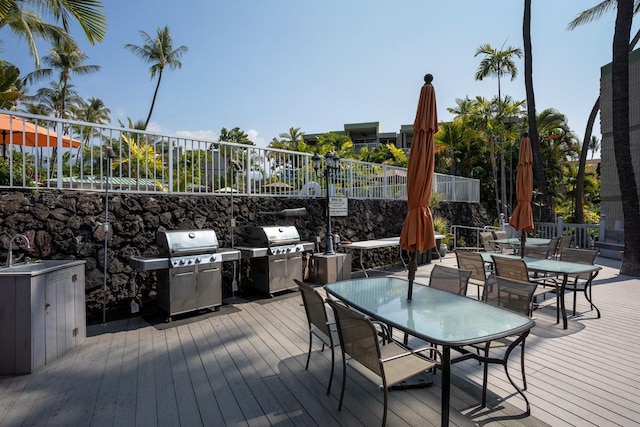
181,262
288,250
197,260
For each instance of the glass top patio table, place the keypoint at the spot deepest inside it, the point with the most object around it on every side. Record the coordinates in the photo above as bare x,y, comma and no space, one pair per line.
436,316
552,266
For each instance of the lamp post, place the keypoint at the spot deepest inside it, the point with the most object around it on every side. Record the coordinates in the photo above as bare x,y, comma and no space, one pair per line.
329,171
109,155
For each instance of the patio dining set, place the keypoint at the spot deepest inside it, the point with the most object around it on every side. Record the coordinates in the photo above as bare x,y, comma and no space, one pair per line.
370,319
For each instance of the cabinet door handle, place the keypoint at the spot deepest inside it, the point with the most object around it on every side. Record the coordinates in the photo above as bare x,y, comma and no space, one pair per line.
47,305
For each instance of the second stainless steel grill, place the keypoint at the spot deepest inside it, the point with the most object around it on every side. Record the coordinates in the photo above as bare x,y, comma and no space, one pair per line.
275,257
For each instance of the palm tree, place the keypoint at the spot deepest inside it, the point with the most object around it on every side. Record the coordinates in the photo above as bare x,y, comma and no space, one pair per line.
480,114
498,63
545,210
456,140
558,145
11,87
93,111
594,145
29,26
66,58
159,52
49,100
292,137
584,17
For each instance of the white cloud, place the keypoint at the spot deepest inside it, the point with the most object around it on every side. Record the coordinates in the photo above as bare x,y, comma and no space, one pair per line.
252,134
153,127
208,135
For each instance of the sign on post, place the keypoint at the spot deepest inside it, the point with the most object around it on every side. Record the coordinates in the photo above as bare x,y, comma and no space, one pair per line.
338,206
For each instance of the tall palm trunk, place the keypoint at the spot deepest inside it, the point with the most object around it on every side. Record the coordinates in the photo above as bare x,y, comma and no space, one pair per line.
621,138
153,101
545,210
494,170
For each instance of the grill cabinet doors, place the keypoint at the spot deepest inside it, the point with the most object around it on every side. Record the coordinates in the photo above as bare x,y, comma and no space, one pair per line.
183,289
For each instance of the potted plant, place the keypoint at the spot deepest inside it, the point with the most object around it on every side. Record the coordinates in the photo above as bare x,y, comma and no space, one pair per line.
441,225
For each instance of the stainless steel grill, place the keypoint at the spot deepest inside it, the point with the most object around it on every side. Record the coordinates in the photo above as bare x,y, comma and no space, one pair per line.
188,269
275,257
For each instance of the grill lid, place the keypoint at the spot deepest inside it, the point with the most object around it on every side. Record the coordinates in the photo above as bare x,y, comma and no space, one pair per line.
274,235
186,242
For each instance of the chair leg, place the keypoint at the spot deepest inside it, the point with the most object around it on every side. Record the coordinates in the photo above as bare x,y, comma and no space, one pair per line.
344,379
484,377
524,376
386,396
506,371
309,352
333,357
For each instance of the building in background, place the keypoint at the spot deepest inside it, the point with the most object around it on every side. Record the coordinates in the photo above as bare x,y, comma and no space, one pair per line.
611,205
369,135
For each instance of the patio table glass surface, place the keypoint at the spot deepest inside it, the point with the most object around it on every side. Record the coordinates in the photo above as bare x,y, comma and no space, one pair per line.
436,316
433,315
545,265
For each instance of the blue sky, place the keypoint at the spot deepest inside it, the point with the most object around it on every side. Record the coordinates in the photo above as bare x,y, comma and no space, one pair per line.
266,66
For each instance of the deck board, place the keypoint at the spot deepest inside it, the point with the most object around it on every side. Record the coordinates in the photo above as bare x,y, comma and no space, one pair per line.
246,367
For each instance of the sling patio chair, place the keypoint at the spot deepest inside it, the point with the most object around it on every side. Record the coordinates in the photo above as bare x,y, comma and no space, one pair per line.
580,281
516,269
449,279
486,238
473,262
536,251
504,247
384,363
553,247
514,295
319,324
564,243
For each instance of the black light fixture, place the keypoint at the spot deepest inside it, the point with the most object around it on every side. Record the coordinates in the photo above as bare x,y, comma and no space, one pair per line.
329,171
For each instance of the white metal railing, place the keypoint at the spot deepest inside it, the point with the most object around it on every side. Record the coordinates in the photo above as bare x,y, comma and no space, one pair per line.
72,155
584,235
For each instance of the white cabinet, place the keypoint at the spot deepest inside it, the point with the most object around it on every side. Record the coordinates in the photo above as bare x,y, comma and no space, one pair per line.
42,313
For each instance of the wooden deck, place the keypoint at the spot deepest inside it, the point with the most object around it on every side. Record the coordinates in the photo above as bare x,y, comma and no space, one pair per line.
244,365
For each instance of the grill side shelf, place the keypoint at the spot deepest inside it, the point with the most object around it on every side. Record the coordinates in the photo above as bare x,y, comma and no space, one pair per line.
147,263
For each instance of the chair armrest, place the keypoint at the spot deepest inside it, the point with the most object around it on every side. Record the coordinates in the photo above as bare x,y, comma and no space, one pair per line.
384,330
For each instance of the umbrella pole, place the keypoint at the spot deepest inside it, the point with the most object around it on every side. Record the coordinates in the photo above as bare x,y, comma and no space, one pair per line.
523,241
412,267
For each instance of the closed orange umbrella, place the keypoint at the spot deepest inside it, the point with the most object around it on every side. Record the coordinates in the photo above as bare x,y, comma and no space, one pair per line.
522,217
417,230
18,131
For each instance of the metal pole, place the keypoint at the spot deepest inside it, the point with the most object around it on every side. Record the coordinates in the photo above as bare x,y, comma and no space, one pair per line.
110,154
105,230
329,247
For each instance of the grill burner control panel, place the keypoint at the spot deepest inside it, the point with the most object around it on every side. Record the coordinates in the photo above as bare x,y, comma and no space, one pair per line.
185,261
287,249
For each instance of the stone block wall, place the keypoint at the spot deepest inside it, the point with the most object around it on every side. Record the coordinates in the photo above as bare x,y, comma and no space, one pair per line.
65,224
